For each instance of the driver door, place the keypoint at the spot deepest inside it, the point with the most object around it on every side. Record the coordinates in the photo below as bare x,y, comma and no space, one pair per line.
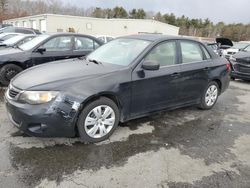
57,48
153,90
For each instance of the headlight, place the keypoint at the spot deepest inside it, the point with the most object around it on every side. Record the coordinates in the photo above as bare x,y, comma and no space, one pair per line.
37,97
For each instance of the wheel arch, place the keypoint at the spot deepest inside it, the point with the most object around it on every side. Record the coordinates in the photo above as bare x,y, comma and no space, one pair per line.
109,95
14,63
218,81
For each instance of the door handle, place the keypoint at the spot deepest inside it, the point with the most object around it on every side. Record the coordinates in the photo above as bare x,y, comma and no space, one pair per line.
176,74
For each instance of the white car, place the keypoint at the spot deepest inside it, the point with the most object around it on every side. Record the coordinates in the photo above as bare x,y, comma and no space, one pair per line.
105,38
6,36
228,53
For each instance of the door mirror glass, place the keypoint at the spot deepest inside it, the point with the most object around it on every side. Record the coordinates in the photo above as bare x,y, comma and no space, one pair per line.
41,50
150,65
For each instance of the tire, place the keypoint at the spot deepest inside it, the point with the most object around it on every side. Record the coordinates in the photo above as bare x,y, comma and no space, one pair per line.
205,105
7,72
97,124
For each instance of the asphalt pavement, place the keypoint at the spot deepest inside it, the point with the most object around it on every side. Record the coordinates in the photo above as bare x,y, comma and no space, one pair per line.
181,148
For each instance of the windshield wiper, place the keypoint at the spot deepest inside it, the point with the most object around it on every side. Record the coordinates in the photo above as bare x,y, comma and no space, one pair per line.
18,48
94,61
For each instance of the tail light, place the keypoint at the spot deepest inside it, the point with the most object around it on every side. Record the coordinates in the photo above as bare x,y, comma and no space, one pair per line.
228,67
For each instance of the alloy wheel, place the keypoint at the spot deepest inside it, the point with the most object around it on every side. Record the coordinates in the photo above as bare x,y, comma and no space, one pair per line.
211,95
99,121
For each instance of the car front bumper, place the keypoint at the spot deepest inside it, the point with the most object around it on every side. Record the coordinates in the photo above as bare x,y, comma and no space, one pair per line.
54,119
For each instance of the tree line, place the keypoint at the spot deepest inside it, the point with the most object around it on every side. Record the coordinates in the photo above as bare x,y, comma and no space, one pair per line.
188,26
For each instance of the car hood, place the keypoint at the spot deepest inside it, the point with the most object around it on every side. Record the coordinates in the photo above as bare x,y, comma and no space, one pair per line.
242,57
242,54
224,42
60,73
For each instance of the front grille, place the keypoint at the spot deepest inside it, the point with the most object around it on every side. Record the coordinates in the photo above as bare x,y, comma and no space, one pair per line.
13,92
244,69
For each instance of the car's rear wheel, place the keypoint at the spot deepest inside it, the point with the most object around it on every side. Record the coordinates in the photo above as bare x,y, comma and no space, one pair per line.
98,120
210,96
7,72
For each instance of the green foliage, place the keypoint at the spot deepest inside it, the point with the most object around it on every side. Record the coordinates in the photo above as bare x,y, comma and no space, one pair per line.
188,26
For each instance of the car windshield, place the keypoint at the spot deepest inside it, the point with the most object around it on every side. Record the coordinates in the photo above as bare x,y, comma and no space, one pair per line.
120,51
240,45
34,42
13,40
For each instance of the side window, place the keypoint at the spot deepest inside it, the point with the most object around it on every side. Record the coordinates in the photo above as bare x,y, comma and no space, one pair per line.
62,43
24,31
164,54
207,55
96,45
109,39
84,43
102,39
191,52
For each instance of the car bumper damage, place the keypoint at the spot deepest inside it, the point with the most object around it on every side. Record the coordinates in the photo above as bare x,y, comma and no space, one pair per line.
53,119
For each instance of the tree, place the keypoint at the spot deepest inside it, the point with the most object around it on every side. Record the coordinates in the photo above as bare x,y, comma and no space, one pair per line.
120,12
3,8
137,14
98,13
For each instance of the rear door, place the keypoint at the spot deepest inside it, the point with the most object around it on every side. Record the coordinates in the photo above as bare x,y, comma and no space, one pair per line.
156,89
195,66
83,46
57,48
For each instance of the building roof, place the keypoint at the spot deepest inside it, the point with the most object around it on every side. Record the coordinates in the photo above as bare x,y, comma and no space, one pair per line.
90,18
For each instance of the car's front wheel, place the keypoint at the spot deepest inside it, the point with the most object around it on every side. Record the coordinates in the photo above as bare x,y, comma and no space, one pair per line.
210,96
7,72
98,120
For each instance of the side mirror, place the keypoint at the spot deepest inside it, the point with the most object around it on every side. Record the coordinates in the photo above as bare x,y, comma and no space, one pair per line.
41,50
150,65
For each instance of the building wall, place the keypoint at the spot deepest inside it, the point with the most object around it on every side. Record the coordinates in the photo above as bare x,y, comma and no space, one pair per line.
95,26
30,22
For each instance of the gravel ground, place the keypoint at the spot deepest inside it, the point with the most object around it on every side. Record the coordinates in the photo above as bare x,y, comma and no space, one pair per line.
182,148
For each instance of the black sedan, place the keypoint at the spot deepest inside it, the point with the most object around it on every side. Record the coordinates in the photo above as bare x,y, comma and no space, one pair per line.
241,65
127,78
42,49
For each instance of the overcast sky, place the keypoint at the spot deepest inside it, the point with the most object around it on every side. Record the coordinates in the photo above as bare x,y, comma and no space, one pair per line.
229,11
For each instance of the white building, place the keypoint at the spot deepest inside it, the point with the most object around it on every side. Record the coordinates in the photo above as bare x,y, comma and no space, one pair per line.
93,26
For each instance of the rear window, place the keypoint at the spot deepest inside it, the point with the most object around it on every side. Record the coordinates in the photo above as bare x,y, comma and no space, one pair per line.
207,55
191,52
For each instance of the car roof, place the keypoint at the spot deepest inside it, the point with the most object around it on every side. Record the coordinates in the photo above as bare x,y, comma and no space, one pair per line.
156,37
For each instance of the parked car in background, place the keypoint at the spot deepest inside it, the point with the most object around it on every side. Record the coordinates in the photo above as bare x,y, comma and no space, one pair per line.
223,44
6,36
241,65
16,41
105,38
228,53
127,78
214,47
4,25
23,30
42,49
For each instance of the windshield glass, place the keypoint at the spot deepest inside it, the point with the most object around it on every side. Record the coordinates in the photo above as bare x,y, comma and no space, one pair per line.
247,48
34,42
13,40
240,45
120,51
